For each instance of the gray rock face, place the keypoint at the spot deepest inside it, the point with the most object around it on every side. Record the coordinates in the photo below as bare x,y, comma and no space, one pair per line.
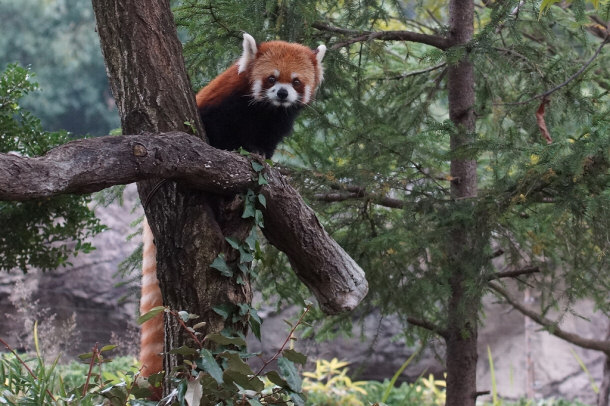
88,291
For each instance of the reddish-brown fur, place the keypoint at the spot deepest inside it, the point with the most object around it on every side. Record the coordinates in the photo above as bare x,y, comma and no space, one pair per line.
284,56
151,338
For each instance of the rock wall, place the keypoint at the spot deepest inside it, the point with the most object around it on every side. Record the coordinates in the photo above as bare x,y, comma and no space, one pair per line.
89,291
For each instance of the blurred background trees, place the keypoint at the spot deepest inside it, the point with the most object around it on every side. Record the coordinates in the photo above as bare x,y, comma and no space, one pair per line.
57,41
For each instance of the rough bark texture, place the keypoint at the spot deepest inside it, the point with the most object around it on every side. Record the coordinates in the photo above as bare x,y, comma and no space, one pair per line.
338,285
149,82
463,305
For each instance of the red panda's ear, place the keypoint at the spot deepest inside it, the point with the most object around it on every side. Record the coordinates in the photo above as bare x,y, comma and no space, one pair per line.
249,50
320,51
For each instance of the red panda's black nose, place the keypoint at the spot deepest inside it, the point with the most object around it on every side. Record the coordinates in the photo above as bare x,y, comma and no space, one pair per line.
282,94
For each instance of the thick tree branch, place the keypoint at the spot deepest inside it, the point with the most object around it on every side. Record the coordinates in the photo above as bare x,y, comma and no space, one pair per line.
551,326
90,165
362,36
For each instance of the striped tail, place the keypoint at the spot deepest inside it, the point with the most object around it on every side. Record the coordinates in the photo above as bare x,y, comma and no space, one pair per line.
152,333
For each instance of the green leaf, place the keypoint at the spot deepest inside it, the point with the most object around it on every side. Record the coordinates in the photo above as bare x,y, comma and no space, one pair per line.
221,265
261,179
276,379
295,356
262,200
150,314
108,347
244,256
255,323
254,402
256,166
209,365
184,350
297,399
289,372
224,340
225,310
244,381
184,315
248,211
233,242
235,363
251,240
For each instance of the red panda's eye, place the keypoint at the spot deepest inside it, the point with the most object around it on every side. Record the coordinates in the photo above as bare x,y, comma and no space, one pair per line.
271,79
296,82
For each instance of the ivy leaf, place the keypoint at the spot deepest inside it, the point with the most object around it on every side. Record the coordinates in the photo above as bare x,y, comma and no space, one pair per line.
295,356
251,240
255,323
289,372
233,242
262,200
235,363
184,350
261,179
256,166
248,211
225,310
244,256
276,379
224,340
221,265
209,365
244,380
150,314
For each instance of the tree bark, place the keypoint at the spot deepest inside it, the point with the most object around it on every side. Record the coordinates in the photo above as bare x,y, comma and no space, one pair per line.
464,238
150,85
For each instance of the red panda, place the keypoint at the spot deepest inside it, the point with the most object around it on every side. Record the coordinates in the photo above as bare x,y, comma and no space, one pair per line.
252,105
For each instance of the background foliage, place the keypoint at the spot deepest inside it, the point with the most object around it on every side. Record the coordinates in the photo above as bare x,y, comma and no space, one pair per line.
37,233
372,153
57,40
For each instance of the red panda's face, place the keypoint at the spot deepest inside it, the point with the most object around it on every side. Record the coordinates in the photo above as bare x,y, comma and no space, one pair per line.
280,73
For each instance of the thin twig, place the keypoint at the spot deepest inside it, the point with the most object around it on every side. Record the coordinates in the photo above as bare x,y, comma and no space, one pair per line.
566,82
552,326
361,36
277,354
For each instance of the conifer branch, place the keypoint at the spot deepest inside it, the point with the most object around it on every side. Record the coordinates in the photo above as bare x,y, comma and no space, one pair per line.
514,273
547,93
376,199
363,36
551,326
428,326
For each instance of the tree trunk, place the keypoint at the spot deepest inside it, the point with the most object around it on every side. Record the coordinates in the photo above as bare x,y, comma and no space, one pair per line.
146,70
463,239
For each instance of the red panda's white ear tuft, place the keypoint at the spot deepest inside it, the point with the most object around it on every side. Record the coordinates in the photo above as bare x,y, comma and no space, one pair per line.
320,51
248,53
